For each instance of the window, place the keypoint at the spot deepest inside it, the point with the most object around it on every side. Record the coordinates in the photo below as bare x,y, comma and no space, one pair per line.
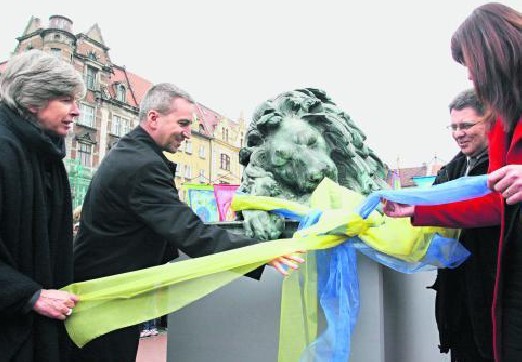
92,56
226,135
57,52
222,133
120,92
188,147
202,151
188,172
84,154
201,128
86,117
202,178
91,78
120,126
242,138
225,162
178,171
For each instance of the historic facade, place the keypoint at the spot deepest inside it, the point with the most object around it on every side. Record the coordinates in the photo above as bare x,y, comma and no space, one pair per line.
110,109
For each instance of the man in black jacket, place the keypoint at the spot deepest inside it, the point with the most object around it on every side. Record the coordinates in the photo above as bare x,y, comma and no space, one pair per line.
132,215
464,294
38,104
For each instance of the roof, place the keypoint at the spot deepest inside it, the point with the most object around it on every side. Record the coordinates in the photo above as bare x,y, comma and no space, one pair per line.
208,118
406,175
136,86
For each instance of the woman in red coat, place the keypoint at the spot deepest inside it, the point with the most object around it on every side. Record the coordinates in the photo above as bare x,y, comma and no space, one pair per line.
489,44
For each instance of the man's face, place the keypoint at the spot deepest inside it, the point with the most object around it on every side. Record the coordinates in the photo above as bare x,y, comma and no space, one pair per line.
58,115
173,128
469,131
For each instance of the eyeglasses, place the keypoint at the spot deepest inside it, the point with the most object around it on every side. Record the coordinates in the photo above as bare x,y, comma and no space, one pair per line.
462,126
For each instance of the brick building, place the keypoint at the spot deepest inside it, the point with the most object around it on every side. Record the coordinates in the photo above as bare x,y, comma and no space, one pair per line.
110,109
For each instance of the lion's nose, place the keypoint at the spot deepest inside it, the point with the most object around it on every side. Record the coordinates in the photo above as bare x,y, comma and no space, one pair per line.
320,173
316,176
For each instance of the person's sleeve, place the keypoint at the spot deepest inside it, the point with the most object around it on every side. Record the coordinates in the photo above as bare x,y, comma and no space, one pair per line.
29,305
482,211
155,201
16,290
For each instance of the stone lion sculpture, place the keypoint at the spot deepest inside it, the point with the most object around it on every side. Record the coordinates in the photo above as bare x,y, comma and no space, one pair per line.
294,141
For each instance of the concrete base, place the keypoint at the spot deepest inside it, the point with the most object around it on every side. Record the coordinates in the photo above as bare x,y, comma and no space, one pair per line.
240,322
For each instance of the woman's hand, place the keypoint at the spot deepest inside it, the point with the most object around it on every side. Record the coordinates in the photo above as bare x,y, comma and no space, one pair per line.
394,209
56,304
508,182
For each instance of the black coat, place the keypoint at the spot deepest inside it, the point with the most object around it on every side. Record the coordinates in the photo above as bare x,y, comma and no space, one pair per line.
35,238
132,217
467,291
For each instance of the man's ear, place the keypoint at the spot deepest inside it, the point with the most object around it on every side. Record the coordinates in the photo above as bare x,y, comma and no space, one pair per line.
33,109
152,118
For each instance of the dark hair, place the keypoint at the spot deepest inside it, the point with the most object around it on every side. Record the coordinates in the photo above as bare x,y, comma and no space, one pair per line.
489,44
467,98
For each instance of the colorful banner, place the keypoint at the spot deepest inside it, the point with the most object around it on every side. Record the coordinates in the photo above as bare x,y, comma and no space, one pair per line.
224,194
201,199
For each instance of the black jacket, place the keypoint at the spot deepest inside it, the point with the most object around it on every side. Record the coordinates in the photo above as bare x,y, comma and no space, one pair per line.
467,291
35,238
132,215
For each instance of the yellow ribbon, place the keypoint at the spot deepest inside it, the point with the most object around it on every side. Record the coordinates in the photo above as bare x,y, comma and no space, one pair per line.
123,300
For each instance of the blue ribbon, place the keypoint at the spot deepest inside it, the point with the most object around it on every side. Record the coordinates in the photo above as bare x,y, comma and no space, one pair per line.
460,189
338,289
338,285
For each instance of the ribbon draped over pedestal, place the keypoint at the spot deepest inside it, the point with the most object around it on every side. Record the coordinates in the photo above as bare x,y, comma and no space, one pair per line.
332,226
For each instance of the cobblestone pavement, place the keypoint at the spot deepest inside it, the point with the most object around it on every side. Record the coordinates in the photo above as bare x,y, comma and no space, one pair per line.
153,349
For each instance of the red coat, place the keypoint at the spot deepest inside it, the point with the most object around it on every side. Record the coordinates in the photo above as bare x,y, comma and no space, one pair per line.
483,211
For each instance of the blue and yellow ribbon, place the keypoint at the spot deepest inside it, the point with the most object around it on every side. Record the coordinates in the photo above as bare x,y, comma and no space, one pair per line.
332,222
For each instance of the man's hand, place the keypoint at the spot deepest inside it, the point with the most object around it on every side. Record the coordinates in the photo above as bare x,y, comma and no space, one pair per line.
288,260
393,209
56,304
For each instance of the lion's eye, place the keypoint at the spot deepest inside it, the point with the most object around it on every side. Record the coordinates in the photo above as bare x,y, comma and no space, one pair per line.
283,154
280,157
311,141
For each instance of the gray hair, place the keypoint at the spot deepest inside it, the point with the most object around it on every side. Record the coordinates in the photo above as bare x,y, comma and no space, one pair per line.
468,98
159,98
34,78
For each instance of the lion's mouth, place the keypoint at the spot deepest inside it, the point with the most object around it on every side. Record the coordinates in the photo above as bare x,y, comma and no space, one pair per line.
313,179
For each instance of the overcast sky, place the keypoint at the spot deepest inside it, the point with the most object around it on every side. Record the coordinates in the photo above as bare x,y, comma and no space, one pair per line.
386,63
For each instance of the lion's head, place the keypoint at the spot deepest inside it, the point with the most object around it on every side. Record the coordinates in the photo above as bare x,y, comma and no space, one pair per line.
300,137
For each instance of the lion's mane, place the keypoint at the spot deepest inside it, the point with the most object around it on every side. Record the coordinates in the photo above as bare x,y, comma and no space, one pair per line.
358,168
